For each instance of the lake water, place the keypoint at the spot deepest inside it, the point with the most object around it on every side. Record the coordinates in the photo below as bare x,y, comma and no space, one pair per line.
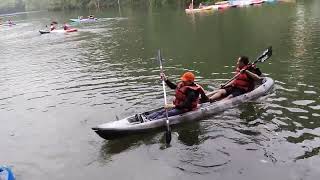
55,87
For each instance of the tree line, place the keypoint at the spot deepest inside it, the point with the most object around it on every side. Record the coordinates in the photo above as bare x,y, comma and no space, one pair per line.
97,4
90,4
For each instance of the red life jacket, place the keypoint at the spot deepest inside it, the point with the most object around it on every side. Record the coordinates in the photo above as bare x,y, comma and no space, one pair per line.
243,81
181,95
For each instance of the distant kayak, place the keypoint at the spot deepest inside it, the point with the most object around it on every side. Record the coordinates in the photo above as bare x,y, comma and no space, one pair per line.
203,9
222,2
6,173
246,2
257,2
241,3
228,4
225,6
84,20
6,24
219,5
58,31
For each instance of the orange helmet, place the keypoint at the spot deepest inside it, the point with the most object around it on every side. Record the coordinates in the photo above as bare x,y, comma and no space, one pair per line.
188,76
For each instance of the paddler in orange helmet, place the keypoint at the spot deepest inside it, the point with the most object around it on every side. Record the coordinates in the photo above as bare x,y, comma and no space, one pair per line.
187,96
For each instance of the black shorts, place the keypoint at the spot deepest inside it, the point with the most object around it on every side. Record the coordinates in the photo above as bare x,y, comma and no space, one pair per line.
234,91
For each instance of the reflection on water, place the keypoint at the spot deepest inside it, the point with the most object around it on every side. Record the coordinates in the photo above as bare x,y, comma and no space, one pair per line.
250,113
189,134
300,32
308,154
110,148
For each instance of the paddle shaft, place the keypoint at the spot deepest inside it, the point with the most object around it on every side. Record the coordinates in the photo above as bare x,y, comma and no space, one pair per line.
212,92
233,78
264,56
164,90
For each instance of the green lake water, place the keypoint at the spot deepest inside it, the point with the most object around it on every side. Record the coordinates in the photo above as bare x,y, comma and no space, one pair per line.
55,87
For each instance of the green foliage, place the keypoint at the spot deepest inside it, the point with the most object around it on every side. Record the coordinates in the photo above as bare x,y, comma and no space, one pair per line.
36,4
9,6
67,4
92,4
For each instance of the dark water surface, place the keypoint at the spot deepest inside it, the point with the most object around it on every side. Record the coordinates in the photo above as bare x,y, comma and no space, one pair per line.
55,87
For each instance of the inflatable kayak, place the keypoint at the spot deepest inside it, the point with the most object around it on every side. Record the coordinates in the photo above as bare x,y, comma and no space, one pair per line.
140,123
6,173
58,31
84,20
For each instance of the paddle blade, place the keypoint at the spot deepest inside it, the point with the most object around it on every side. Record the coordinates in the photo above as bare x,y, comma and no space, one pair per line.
159,57
168,136
265,55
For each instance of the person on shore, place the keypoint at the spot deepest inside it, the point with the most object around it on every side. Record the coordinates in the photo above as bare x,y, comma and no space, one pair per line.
243,83
187,96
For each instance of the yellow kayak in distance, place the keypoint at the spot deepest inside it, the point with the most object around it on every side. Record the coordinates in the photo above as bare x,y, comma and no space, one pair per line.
203,9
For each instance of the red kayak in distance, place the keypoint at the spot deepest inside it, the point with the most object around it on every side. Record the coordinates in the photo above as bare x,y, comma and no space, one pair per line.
58,31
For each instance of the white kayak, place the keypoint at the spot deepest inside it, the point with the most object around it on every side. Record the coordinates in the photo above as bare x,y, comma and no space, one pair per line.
241,3
140,123
84,20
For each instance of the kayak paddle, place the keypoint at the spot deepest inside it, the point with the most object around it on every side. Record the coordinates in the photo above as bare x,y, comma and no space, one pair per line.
168,130
266,54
